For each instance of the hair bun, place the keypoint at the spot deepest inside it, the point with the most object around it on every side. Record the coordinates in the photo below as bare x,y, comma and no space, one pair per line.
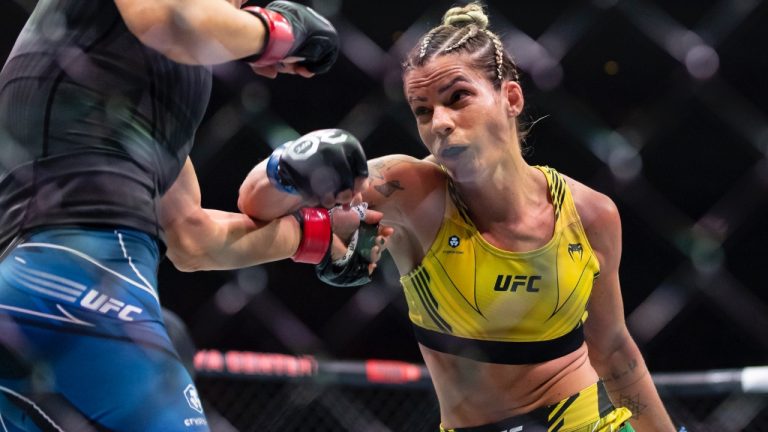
463,16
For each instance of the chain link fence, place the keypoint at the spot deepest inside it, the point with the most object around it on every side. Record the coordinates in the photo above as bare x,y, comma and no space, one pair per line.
247,391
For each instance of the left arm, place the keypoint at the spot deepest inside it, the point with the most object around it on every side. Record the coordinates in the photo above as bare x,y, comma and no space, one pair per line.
206,239
612,351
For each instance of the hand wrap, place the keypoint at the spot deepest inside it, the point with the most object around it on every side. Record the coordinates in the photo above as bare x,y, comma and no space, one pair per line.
355,271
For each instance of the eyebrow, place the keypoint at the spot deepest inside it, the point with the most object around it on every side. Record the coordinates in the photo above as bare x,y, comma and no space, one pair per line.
442,89
452,83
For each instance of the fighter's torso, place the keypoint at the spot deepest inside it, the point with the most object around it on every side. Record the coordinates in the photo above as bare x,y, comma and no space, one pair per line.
470,298
96,125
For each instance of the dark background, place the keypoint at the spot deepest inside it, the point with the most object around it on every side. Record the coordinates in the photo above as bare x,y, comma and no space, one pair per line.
661,105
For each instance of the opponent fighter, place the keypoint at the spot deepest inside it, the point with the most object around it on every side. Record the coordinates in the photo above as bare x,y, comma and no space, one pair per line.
510,271
99,103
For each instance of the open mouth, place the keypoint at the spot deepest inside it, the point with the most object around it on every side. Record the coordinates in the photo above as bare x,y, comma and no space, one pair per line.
452,152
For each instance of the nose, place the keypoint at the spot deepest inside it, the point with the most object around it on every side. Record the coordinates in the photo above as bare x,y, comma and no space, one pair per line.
442,123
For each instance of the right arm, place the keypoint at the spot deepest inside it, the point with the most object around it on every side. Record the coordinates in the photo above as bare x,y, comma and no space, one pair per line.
284,36
208,239
194,31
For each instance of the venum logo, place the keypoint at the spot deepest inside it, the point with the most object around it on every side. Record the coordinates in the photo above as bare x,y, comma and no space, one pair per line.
103,303
513,282
193,399
454,241
575,248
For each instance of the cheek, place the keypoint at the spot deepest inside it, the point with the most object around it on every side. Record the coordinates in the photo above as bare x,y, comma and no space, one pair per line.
496,125
426,135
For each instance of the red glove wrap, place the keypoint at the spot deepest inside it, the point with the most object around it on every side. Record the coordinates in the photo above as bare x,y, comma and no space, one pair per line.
279,37
315,235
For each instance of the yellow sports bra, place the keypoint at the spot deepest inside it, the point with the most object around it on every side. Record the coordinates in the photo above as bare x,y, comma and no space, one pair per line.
472,299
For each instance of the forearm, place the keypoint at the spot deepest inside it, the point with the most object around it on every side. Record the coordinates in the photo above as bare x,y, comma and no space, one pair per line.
629,384
259,199
219,240
194,31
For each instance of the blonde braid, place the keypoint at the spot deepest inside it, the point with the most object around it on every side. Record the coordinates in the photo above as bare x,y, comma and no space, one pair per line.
469,34
499,54
427,39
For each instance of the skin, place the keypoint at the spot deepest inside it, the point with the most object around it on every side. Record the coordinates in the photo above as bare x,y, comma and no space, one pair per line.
206,32
202,32
471,129
206,239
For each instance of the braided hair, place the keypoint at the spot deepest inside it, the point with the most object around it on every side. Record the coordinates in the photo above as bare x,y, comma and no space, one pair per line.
465,30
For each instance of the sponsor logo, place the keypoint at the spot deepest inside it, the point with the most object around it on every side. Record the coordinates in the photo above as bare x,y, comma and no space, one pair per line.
195,421
193,399
513,282
454,241
513,429
308,144
575,248
105,304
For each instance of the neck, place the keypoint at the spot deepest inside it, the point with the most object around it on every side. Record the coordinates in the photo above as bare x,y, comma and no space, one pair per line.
505,194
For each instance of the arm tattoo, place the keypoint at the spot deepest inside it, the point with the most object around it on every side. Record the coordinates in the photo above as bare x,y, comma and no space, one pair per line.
632,403
618,374
388,187
380,167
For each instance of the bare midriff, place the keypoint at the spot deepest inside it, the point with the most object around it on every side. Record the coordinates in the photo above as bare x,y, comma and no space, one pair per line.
473,393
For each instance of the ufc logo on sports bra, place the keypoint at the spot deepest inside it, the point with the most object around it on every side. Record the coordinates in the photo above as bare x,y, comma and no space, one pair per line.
513,282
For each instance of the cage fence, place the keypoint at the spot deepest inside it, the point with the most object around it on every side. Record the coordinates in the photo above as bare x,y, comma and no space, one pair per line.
247,391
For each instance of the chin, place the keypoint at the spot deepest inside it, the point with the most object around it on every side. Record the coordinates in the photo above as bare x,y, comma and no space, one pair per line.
465,173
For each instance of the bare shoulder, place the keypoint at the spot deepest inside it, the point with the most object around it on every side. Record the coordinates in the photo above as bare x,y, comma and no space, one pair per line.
410,192
400,164
593,206
401,177
598,213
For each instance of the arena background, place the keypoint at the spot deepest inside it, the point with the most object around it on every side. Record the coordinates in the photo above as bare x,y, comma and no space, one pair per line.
662,105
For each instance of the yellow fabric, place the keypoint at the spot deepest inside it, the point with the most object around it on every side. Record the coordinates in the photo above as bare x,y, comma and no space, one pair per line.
577,413
613,421
467,287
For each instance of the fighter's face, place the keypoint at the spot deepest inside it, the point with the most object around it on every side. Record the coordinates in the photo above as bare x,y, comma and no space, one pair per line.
461,118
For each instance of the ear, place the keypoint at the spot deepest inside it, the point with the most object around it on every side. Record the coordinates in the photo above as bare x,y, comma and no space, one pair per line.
513,97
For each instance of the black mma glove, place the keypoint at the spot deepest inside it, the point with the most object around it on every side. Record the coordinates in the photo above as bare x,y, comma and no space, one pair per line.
295,30
319,163
353,268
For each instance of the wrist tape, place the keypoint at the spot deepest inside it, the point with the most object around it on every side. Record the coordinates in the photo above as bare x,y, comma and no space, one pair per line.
315,223
278,37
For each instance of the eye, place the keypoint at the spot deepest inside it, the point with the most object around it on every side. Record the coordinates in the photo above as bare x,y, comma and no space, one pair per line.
421,111
458,95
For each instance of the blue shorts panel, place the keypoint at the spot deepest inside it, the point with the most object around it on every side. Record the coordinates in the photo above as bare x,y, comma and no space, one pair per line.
82,336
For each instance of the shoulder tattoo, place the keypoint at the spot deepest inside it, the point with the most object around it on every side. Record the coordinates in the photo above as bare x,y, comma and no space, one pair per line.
381,182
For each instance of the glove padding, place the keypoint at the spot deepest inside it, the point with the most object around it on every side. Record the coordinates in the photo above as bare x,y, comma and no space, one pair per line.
355,271
318,164
310,36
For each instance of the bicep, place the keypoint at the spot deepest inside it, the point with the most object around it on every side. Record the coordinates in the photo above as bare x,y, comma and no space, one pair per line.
605,328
